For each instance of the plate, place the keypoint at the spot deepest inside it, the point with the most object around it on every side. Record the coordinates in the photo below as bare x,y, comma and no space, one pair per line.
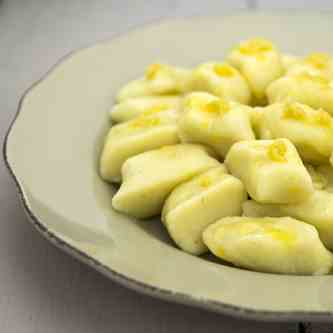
52,150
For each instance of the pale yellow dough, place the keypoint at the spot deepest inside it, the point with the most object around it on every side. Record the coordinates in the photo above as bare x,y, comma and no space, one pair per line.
195,204
259,62
214,121
313,90
314,63
148,178
317,211
222,80
276,245
310,130
134,107
271,170
149,131
159,79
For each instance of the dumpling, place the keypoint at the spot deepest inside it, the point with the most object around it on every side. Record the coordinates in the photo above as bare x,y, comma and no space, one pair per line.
310,130
313,90
213,121
149,131
259,62
131,108
159,80
314,63
274,245
222,80
195,204
271,170
317,210
148,178
258,124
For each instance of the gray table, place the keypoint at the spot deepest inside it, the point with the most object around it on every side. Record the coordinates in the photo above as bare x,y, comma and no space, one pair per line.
42,290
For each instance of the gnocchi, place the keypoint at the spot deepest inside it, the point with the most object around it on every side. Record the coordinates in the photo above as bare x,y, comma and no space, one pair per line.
159,79
149,131
235,155
317,210
274,245
214,121
134,107
195,204
271,170
148,178
310,130
260,63
222,80
313,90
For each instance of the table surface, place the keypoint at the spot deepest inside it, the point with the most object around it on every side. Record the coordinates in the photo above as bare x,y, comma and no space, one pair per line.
41,288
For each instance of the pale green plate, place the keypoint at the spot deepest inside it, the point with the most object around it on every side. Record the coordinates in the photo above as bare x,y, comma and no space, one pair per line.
52,150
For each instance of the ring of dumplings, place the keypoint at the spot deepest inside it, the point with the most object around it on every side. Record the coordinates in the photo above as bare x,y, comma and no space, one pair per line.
236,155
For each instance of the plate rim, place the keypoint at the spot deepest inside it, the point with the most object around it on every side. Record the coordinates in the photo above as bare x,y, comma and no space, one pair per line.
136,285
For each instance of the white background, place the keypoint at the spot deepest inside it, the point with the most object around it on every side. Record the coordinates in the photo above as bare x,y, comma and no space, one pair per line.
42,290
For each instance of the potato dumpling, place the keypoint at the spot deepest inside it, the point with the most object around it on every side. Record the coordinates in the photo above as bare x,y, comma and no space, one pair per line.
271,170
159,79
314,63
148,178
131,108
214,121
222,80
275,245
257,121
310,130
317,210
149,131
313,90
195,204
259,62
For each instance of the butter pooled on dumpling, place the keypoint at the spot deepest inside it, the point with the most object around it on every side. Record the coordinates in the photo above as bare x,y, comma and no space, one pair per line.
314,63
214,122
313,90
259,62
148,178
271,170
134,107
317,210
151,130
222,80
276,245
159,79
195,204
310,130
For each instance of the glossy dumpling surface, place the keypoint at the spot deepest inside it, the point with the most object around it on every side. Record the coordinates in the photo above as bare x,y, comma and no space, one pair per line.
310,130
149,131
214,121
271,170
134,107
222,80
159,79
195,204
259,62
276,245
316,210
148,178
313,90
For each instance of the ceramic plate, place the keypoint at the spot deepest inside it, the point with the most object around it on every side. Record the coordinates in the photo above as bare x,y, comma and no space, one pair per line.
52,150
